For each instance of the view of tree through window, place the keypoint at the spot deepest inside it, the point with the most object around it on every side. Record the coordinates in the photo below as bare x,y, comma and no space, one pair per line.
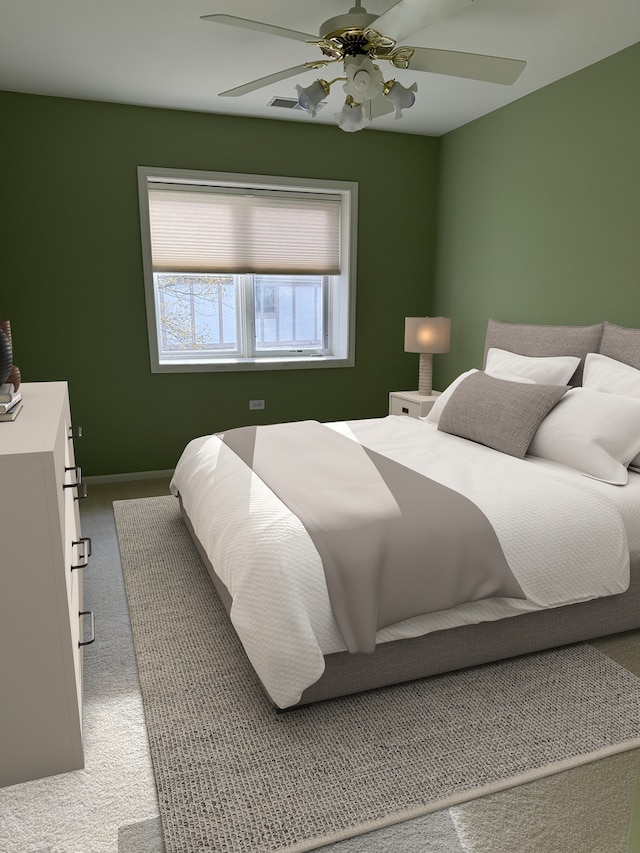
197,312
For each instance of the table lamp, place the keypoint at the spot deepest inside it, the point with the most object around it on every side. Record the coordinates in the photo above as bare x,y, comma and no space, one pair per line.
426,335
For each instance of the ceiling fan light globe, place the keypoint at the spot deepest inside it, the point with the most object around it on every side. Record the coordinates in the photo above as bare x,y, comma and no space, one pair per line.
310,97
352,118
361,80
364,79
402,97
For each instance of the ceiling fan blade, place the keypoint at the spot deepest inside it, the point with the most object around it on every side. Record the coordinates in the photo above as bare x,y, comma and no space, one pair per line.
246,24
263,81
475,66
411,16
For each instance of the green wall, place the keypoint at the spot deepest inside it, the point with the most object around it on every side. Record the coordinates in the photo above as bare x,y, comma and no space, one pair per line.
72,281
539,211
530,214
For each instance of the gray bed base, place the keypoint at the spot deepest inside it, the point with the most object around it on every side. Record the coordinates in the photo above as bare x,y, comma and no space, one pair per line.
468,645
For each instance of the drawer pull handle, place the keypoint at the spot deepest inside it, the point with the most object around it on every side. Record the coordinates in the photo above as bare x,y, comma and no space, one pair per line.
78,471
85,541
79,485
93,628
405,411
75,432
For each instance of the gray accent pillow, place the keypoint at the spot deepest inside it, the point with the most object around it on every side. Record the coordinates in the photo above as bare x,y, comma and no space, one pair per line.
622,344
498,413
539,340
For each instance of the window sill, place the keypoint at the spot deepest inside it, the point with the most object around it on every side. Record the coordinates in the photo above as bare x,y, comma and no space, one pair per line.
236,364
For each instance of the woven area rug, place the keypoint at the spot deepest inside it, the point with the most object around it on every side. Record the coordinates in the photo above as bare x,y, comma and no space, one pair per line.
235,777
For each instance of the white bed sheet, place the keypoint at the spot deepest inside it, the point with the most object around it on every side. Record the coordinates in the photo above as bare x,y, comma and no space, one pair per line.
566,537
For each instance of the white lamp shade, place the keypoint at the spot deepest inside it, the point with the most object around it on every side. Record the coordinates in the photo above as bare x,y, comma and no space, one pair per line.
311,97
426,334
352,119
364,79
400,96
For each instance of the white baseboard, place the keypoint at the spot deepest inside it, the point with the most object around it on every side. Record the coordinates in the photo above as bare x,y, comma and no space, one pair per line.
125,478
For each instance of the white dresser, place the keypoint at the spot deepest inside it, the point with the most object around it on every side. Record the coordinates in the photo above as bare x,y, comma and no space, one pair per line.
42,557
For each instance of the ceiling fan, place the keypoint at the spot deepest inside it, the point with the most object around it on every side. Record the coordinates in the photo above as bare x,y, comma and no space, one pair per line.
359,38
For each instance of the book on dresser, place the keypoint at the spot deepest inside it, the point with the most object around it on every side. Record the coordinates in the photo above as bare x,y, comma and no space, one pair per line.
12,407
12,414
8,393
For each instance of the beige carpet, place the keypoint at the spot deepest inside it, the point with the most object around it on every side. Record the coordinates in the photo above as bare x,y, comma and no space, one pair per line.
234,776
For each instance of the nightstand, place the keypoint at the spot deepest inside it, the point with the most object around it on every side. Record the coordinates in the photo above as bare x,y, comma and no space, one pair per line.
411,404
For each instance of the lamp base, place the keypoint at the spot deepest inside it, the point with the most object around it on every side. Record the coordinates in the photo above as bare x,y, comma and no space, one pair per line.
425,376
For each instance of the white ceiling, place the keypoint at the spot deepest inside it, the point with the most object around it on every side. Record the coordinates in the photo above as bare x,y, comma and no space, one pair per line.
159,53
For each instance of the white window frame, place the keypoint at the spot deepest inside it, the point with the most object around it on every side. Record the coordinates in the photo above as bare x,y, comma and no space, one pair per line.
339,350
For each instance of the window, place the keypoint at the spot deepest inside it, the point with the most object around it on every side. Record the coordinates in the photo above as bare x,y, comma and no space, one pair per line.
247,272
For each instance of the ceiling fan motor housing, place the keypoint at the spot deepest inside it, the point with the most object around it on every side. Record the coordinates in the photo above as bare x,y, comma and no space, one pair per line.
341,23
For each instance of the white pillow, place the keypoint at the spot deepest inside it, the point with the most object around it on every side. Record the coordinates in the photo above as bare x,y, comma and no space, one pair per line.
606,374
436,410
555,370
613,377
598,434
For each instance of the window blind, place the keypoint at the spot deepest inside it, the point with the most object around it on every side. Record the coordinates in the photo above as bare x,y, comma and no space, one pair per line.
218,230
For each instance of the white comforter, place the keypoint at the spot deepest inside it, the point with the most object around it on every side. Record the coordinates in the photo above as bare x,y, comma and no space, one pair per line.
564,536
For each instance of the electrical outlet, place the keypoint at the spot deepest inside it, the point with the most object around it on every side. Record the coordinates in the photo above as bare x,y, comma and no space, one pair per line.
256,404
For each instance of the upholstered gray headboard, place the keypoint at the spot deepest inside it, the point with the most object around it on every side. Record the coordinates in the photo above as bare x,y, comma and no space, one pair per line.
540,341
622,344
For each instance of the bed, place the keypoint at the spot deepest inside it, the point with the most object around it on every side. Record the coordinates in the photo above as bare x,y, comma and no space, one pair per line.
547,467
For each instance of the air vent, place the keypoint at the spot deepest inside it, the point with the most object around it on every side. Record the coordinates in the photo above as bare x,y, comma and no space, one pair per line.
284,103
289,103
